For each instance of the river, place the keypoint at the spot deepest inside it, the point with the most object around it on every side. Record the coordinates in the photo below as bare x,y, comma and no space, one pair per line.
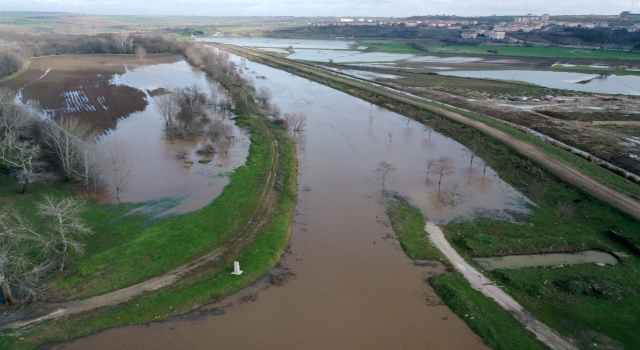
354,287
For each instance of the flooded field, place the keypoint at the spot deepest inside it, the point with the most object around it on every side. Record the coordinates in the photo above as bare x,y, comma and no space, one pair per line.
627,85
522,261
282,43
346,283
346,56
157,173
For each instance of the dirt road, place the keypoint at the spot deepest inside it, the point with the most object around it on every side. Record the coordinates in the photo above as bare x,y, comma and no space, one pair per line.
557,166
251,227
545,334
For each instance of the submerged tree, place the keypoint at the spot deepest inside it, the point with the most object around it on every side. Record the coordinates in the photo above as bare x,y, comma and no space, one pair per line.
384,171
443,167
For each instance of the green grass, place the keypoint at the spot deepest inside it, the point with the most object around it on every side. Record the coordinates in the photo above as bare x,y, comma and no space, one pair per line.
408,224
204,161
24,68
173,241
496,327
205,285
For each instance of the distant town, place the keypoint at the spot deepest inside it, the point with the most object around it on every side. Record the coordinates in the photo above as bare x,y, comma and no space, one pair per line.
521,24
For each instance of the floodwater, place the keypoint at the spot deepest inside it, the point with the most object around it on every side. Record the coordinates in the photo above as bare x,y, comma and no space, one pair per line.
346,56
627,85
522,261
282,43
354,287
172,186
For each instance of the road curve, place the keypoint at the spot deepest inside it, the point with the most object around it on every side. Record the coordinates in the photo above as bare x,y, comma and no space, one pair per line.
555,165
479,282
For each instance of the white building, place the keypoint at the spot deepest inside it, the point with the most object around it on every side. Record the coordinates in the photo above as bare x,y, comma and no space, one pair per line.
469,35
496,34
346,19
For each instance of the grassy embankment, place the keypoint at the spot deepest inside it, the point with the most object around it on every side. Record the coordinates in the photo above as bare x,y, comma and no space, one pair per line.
581,296
396,46
122,244
24,68
496,327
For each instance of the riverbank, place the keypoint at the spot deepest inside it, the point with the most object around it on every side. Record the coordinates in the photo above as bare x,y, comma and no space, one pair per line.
266,202
549,181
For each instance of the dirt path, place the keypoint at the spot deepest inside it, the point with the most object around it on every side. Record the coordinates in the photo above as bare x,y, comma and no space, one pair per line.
545,334
557,166
251,227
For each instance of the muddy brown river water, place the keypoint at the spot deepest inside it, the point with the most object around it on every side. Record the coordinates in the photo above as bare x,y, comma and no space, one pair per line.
352,289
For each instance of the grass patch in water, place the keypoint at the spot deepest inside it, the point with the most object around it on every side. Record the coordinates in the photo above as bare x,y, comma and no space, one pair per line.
204,161
496,327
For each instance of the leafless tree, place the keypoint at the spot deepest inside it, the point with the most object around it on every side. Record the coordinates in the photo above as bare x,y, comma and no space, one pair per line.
429,129
66,139
118,166
384,171
443,167
22,260
166,105
90,166
121,39
264,95
295,121
22,155
390,136
370,118
430,164
141,52
65,226
275,111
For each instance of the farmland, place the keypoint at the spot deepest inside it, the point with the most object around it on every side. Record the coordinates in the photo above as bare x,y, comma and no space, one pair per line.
80,86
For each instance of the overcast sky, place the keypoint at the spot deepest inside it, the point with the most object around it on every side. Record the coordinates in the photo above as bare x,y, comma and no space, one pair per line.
380,8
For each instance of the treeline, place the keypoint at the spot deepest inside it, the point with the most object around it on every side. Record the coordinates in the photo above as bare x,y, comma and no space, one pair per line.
15,49
389,32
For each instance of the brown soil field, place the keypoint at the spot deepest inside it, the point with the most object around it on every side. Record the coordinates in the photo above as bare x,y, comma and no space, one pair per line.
79,86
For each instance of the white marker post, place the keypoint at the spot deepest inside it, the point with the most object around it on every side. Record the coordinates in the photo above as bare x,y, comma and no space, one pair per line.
236,269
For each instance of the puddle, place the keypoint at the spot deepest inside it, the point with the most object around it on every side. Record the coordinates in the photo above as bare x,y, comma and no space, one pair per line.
522,261
157,174
353,287
366,75
627,85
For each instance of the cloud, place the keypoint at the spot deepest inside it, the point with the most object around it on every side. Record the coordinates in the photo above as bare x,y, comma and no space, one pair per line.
381,8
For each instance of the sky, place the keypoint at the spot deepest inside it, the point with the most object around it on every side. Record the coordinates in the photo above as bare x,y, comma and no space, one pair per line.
373,8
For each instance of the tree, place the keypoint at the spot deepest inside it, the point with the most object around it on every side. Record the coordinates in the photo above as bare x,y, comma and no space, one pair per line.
264,95
295,121
384,171
141,52
65,226
166,105
90,166
21,248
22,155
390,134
66,139
443,167
118,167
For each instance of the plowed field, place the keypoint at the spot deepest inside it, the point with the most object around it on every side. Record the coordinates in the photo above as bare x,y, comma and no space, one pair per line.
83,86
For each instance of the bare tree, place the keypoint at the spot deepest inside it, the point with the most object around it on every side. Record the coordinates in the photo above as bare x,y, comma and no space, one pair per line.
264,95
118,166
166,105
443,167
295,121
384,171
565,210
121,39
22,263
66,139
22,155
65,226
390,136
275,111
430,163
141,52
90,166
